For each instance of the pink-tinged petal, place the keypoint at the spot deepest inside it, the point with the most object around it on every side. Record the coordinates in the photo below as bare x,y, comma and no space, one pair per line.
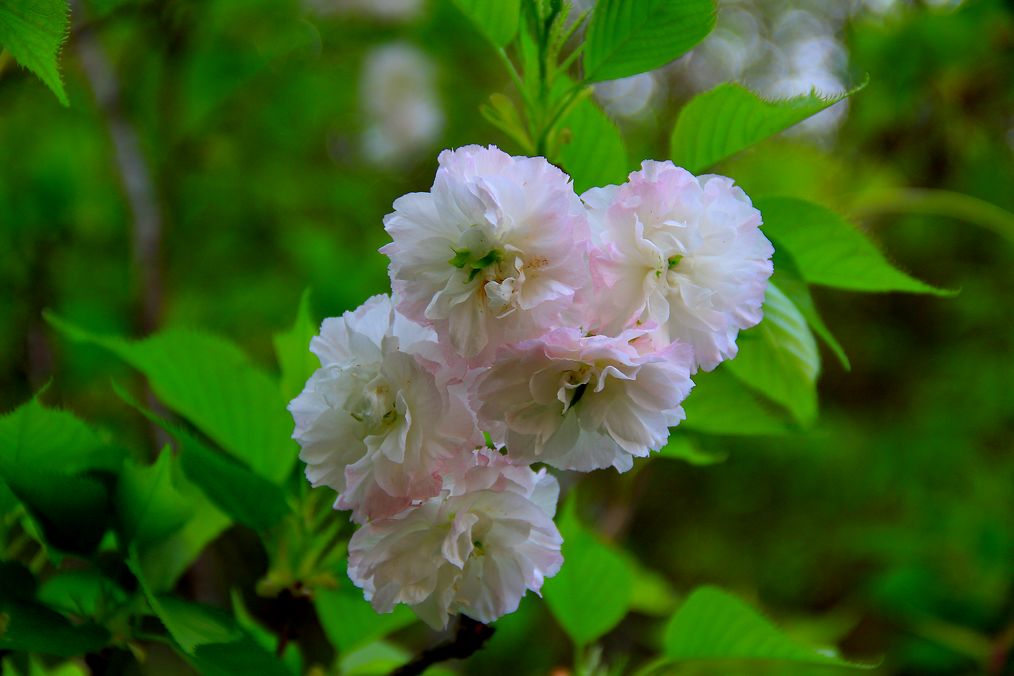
581,402
711,263
353,333
476,549
379,424
494,253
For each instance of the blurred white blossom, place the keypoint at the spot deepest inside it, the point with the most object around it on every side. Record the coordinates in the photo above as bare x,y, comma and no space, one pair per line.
628,97
400,104
384,10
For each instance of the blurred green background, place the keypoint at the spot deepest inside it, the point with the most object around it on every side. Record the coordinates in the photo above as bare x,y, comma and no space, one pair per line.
219,157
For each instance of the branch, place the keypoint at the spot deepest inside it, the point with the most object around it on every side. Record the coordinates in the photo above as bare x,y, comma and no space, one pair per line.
135,176
134,172
469,638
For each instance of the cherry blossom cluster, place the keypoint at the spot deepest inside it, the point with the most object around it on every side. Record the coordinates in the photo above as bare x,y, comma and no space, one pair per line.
527,325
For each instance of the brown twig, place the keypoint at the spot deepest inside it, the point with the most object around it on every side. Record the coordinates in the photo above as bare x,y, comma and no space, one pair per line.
470,636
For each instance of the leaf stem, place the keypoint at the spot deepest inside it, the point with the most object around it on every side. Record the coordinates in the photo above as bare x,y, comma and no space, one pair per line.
566,104
651,667
931,202
571,57
578,21
579,658
513,72
519,84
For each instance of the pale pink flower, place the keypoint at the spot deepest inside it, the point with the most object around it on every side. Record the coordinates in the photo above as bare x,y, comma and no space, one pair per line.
683,252
584,402
488,469
492,253
474,550
376,422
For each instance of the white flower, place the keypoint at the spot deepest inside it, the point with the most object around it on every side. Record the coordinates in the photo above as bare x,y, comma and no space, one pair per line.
390,10
472,551
683,252
488,469
399,98
491,252
584,402
375,422
628,97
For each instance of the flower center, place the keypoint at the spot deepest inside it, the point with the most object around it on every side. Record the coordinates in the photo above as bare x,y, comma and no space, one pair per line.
667,266
477,251
375,407
573,385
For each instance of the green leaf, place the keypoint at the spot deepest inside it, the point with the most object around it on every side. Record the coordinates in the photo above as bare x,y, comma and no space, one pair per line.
191,624
72,511
787,278
829,251
237,491
778,358
37,667
292,349
627,37
8,501
26,624
266,639
152,502
210,639
593,152
530,56
679,447
81,592
349,620
721,404
33,31
375,659
593,591
242,656
32,627
163,562
43,453
501,112
245,496
713,625
651,593
34,434
496,19
211,383
729,118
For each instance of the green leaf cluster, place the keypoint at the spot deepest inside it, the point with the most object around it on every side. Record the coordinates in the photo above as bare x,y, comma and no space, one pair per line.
557,117
72,491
